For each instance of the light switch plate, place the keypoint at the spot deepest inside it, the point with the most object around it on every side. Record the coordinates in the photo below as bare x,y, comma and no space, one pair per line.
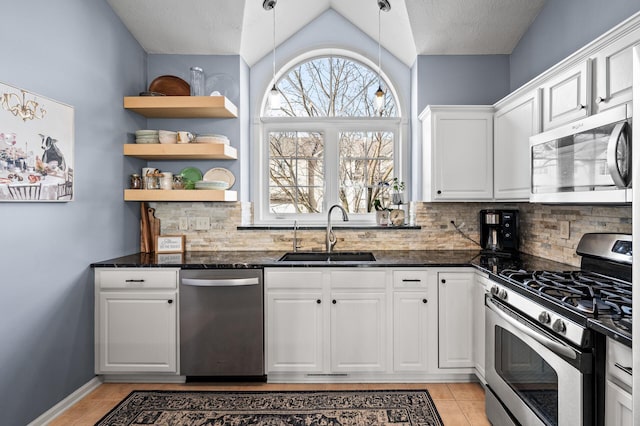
183,224
565,231
202,223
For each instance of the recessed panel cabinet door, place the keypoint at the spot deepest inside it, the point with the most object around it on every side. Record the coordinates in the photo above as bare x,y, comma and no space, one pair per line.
514,123
565,97
358,332
137,332
618,410
294,331
455,320
410,330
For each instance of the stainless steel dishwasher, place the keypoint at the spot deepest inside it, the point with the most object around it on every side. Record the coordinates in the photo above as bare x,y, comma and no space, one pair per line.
221,324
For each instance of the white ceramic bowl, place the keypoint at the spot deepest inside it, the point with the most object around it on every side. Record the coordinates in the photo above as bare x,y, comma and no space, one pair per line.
166,136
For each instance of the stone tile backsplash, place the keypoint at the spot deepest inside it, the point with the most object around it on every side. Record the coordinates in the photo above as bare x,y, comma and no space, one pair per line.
541,228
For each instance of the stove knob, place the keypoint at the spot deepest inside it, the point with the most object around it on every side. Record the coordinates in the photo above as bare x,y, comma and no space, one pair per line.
544,317
494,290
558,326
502,294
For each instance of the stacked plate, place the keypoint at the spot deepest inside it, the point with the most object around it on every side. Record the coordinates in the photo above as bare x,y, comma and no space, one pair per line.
211,138
219,175
147,136
212,184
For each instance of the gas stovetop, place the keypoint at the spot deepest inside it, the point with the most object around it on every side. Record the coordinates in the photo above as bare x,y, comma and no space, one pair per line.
599,293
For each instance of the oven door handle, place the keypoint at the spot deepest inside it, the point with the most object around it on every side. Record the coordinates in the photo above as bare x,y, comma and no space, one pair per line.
556,347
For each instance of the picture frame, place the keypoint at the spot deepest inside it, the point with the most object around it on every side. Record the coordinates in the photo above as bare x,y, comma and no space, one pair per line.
36,147
170,244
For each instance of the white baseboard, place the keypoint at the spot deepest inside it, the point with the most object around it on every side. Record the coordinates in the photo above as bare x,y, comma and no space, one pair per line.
66,403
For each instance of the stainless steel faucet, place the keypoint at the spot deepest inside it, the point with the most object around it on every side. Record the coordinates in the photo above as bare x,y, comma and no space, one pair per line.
331,238
295,236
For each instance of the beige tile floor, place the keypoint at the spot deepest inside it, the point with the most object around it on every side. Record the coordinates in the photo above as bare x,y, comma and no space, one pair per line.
458,403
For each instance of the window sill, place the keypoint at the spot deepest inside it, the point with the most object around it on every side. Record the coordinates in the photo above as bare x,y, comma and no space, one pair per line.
323,227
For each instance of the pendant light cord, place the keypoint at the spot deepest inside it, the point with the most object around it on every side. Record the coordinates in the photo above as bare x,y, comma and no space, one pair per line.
274,47
379,13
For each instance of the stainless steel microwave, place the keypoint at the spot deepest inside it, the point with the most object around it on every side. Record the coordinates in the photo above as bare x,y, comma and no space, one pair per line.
588,161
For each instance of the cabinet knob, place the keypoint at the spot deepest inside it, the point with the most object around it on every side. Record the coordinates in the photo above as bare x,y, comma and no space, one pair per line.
443,281
170,301
334,301
580,107
439,192
600,100
318,301
424,300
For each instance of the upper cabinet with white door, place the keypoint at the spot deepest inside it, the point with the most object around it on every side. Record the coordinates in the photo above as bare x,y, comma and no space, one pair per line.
612,68
514,122
457,153
565,97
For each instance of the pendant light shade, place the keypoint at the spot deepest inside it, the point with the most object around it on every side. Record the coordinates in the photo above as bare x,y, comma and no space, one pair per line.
379,101
275,98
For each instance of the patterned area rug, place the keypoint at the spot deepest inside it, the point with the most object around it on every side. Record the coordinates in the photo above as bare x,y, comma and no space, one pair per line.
326,408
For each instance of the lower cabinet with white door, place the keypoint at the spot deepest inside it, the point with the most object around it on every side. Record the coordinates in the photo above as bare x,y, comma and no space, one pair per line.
619,374
362,324
136,321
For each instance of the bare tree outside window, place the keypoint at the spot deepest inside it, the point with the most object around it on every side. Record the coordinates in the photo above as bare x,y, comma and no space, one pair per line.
333,88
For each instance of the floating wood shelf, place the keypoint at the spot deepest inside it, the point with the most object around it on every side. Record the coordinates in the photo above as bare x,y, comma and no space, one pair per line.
179,195
181,106
190,151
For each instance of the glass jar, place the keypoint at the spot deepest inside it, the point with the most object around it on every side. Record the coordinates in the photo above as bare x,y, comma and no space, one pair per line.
197,81
135,181
178,182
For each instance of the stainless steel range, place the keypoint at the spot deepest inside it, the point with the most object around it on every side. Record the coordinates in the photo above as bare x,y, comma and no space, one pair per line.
544,359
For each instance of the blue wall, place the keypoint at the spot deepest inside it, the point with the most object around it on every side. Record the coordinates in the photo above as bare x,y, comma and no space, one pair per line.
461,79
561,28
76,52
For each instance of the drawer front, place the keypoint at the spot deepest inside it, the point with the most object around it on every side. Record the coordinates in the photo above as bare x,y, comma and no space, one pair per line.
358,278
410,279
137,278
292,278
619,363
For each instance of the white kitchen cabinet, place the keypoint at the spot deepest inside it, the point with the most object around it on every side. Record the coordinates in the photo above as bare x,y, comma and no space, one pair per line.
614,72
457,153
618,389
326,320
481,287
455,320
358,332
565,97
136,321
415,310
514,123
295,328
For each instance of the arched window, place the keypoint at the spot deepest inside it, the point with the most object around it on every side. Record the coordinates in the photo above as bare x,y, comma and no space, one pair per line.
327,144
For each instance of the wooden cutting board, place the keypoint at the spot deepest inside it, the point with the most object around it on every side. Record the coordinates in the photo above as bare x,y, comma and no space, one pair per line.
170,85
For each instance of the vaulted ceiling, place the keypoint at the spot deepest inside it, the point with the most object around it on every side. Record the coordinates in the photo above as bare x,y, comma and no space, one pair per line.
410,28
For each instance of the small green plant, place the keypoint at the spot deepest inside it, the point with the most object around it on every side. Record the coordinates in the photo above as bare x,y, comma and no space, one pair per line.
397,185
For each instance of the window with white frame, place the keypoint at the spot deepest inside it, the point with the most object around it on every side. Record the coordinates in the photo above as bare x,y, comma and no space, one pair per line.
327,144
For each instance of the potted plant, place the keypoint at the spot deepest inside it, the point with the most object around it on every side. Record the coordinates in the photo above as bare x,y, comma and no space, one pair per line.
382,213
397,195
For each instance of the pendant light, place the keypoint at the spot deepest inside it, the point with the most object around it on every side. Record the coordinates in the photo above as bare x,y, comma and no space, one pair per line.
383,5
274,94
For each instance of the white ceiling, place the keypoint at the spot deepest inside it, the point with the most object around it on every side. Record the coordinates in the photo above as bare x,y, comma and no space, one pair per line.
410,28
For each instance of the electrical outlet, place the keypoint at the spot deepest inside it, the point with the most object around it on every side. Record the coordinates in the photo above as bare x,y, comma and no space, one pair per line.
202,223
565,231
183,224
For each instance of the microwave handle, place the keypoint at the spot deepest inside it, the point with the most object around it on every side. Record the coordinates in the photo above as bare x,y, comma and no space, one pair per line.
612,158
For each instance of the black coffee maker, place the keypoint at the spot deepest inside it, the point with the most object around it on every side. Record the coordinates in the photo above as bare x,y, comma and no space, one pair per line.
499,232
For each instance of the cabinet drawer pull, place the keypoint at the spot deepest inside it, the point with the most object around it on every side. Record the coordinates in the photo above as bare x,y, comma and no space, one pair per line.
411,280
627,370
134,281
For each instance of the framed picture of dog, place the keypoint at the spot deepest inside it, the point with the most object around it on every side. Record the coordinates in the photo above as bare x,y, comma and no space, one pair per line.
36,147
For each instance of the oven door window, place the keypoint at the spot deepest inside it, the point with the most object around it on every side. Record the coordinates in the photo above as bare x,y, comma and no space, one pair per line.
528,374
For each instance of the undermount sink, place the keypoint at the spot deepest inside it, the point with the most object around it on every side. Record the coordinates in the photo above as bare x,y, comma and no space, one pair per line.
339,256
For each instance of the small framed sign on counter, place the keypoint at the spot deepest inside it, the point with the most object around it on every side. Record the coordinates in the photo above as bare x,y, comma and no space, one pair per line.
170,244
